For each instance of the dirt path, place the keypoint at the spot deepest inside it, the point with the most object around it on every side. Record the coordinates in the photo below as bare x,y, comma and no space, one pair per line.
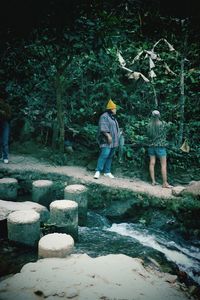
19,163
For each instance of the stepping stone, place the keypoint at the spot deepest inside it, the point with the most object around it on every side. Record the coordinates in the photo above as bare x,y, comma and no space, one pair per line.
64,215
24,227
8,188
55,245
7,207
78,193
42,192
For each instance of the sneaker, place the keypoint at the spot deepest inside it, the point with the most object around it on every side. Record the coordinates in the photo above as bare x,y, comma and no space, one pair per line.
97,175
110,175
5,161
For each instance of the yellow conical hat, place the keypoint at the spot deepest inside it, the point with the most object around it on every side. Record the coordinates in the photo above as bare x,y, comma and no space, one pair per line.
111,105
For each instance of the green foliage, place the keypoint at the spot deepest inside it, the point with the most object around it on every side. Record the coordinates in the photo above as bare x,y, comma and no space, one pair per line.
79,61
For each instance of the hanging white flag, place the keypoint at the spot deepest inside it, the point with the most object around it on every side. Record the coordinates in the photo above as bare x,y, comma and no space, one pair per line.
137,75
137,57
129,70
152,74
144,78
152,54
171,48
168,70
121,60
151,63
156,44
134,75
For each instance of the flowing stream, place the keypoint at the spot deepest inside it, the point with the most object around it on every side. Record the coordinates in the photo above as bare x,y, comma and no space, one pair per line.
101,237
187,258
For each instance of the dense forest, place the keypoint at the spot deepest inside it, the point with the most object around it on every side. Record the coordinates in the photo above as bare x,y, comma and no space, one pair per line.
61,61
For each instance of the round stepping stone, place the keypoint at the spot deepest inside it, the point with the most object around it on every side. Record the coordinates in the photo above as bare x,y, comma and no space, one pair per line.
64,215
8,188
42,192
24,227
78,193
55,245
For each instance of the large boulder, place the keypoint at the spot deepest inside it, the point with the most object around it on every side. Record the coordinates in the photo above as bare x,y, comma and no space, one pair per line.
7,207
83,277
193,189
177,190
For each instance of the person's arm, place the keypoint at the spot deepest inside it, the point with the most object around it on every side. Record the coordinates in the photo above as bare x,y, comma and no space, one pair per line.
108,136
104,128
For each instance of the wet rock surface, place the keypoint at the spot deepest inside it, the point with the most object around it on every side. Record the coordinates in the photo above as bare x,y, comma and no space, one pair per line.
82,277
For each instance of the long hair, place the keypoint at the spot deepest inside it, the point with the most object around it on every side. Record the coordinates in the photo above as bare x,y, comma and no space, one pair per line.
154,128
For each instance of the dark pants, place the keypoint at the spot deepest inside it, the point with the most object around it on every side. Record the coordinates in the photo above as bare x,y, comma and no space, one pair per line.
4,138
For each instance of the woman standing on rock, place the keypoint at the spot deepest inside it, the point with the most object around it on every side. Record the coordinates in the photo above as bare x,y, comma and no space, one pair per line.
108,139
156,132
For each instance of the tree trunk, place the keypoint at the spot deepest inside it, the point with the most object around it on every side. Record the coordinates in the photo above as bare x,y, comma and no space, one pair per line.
182,103
55,134
182,83
60,115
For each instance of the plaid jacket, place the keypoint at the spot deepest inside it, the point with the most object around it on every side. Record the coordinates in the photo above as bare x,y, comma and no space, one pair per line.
108,123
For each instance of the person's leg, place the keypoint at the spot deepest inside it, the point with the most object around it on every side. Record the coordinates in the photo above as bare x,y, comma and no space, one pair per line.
152,168
5,139
108,163
104,154
162,154
163,162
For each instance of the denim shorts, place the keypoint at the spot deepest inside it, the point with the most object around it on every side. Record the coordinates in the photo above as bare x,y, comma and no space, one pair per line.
157,151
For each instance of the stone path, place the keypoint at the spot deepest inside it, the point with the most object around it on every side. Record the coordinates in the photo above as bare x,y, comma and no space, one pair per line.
20,164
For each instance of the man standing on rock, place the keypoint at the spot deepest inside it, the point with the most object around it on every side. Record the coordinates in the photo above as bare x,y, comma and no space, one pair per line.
5,114
108,140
